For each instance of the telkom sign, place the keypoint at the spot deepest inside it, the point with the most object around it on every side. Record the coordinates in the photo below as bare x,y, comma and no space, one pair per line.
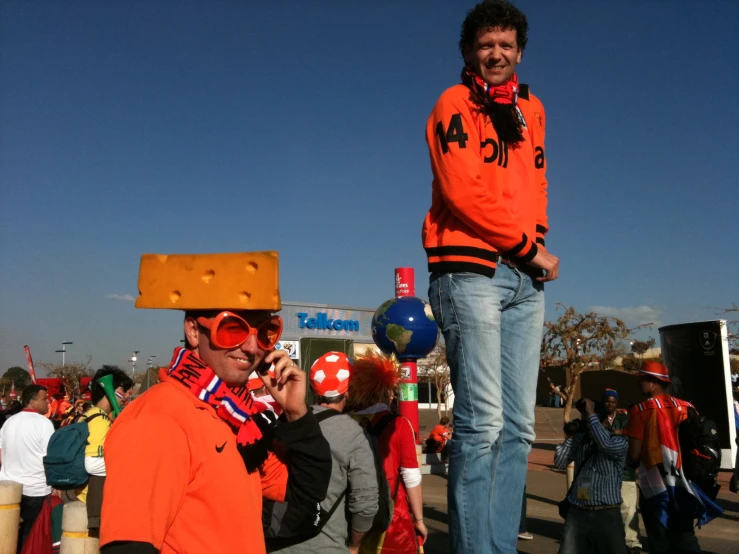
322,322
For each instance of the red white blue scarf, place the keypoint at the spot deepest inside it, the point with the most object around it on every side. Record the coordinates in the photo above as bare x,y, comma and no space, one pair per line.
234,405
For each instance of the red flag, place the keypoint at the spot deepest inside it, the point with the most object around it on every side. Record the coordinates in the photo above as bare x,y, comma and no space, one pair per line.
12,389
29,361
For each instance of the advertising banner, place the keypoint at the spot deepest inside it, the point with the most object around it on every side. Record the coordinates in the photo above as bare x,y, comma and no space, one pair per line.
697,355
29,361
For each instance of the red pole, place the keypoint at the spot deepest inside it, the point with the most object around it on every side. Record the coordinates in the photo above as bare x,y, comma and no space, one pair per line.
404,282
408,398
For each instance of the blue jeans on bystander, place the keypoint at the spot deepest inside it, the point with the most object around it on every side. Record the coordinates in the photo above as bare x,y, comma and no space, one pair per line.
492,329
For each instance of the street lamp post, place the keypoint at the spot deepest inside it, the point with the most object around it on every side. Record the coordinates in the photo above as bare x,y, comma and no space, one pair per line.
64,350
149,363
133,360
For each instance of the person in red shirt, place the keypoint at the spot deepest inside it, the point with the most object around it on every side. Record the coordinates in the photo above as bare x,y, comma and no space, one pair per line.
436,443
666,500
370,395
58,409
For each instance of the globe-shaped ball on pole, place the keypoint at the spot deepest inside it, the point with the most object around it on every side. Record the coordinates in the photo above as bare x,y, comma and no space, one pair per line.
405,326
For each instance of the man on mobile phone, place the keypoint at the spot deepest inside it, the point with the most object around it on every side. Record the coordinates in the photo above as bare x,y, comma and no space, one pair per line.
189,461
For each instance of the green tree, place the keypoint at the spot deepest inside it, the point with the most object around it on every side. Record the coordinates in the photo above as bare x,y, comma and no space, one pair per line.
15,375
577,342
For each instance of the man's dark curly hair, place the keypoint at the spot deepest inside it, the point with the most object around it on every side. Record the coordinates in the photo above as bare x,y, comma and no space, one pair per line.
490,14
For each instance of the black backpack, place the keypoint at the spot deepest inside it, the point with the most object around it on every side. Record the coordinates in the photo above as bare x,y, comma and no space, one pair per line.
700,451
279,518
64,463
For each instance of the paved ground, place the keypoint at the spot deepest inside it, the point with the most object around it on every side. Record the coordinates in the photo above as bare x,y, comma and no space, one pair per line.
546,487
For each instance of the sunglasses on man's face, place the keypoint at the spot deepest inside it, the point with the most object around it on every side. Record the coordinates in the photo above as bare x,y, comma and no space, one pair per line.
229,331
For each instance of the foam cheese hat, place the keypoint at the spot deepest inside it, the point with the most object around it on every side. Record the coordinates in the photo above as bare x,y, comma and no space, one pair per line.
239,281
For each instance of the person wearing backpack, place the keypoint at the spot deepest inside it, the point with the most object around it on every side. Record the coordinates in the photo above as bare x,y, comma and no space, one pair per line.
23,442
668,504
351,503
98,423
370,396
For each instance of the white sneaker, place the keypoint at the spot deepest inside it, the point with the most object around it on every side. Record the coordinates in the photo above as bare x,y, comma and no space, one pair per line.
525,536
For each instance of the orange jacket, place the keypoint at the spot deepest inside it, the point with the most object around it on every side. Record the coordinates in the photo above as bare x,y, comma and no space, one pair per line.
488,199
439,434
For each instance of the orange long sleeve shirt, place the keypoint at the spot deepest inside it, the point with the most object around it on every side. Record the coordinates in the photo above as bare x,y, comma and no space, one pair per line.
176,480
488,199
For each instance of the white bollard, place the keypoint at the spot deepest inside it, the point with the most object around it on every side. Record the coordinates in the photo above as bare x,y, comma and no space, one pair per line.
10,515
74,531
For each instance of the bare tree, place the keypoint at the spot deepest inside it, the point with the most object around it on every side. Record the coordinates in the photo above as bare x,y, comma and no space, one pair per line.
434,369
640,347
70,375
148,378
577,342
732,328
631,363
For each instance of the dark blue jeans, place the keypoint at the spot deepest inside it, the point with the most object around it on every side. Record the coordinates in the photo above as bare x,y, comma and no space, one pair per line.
679,539
593,532
522,524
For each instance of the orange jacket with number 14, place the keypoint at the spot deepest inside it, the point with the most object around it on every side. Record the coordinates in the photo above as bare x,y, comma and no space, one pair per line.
488,198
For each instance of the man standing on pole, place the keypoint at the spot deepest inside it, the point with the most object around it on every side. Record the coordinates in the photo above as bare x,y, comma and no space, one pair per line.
484,237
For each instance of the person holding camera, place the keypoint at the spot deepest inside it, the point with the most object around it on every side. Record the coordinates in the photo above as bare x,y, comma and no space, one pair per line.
593,521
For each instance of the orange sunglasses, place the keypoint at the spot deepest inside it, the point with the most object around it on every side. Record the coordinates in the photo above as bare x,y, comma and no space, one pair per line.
229,331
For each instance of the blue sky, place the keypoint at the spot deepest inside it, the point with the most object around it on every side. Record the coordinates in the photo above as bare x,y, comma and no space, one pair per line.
172,127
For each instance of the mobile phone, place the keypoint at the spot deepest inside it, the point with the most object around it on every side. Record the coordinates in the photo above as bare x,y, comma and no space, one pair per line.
266,368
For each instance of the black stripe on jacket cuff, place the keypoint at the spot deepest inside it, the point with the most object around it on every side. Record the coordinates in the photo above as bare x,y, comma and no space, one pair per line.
541,229
540,240
513,252
530,255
